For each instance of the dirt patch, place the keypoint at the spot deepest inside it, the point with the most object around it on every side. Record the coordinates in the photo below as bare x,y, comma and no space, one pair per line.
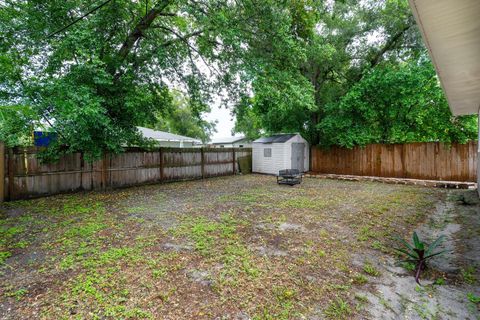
443,294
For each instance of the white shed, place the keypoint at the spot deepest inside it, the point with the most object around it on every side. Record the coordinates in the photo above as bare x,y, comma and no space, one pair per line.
281,151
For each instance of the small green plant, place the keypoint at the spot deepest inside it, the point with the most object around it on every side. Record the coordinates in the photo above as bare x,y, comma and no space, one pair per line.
473,298
359,279
468,275
17,294
377,245
410,266
464,201
4,255
361,297
22,244
366,233
419,252
370,269
160,273
338,309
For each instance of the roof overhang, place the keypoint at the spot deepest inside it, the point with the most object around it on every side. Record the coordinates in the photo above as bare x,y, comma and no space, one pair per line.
451,31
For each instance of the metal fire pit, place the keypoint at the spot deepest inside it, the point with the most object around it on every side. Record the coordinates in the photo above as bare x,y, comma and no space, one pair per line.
289,176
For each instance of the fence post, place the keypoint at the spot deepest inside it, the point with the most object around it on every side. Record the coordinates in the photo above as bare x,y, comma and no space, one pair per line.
160,152
2,171
202,153
104,171
233,161
11,175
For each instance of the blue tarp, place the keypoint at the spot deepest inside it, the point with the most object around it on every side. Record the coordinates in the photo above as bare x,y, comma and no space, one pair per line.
43,139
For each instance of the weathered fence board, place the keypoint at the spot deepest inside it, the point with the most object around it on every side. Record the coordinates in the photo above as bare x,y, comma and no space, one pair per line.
26,177
429,160
2,171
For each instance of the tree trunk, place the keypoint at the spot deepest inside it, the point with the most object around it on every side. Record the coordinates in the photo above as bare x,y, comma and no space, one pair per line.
135,35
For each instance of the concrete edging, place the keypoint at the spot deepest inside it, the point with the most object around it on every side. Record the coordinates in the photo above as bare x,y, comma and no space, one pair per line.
404,181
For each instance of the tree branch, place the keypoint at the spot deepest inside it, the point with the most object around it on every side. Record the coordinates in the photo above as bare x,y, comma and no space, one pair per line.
390,44
140,28
179,37
138,32
79,18
378,55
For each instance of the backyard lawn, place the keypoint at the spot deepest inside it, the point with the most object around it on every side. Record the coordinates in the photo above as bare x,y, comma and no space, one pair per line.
237,248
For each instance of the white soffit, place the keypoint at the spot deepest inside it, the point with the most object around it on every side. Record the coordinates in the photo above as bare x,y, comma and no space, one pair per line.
451,31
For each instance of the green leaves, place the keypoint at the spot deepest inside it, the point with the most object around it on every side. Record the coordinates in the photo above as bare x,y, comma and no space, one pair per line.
395,103
16,124
181,119
417,254
341,73
359,75
418,245
99,78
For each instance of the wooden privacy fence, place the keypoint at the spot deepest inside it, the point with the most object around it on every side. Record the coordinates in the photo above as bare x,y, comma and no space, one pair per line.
429,160
26,177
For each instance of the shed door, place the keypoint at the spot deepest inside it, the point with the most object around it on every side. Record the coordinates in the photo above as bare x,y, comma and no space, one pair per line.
298,156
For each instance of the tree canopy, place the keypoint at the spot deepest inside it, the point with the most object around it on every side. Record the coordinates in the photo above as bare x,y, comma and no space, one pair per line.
394,104
360,75
93,71
181,119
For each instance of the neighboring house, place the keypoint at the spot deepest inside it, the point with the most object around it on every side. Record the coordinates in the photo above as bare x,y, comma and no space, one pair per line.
451,32
280,151
167,139
231,142
164,139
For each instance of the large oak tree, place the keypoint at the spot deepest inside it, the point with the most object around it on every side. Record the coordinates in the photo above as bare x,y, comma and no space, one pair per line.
92,71
354,59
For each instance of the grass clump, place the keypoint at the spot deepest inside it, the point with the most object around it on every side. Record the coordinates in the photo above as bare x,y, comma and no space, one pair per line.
7,237
366,233
302,203
4,255
205,233
369,269
17,294
468,275
338,309
85,230
283,308
473,298
359,279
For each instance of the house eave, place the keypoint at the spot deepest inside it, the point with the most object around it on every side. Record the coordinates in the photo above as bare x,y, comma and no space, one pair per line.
451,32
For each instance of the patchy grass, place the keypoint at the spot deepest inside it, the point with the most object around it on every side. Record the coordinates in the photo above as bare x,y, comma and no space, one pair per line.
359,279
369,269
338,309
17,294
468,275
473,298
221,248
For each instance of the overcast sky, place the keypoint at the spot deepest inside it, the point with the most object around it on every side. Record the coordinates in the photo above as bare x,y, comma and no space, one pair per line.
225,122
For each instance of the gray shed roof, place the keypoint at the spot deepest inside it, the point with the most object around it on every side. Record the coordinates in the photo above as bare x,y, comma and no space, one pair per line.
276,138
165,136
